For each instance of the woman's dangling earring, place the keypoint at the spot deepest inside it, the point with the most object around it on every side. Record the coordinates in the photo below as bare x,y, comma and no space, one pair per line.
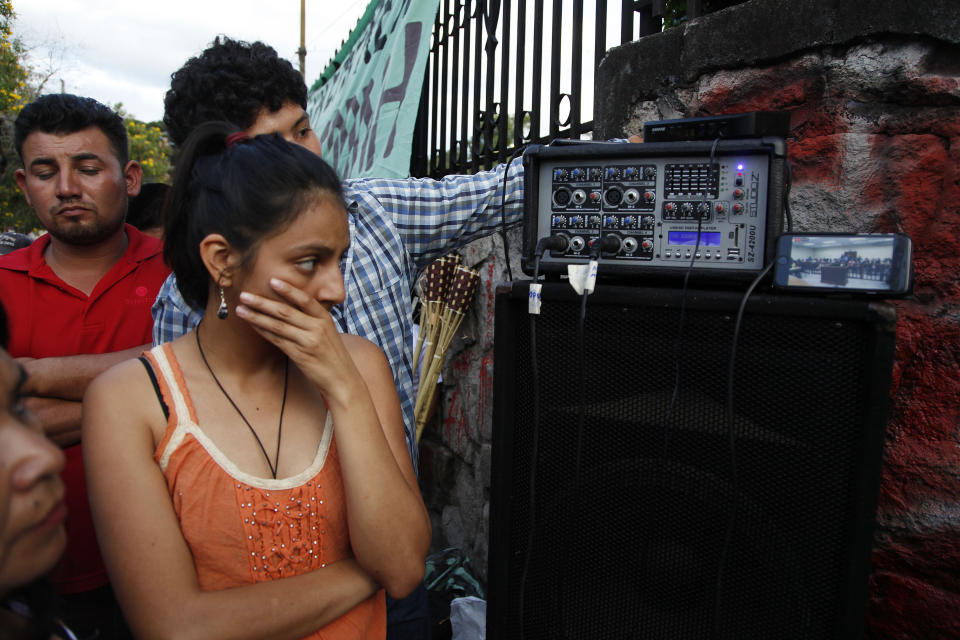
222,311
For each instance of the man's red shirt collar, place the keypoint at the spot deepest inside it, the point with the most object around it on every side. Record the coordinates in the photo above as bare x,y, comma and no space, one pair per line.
139,248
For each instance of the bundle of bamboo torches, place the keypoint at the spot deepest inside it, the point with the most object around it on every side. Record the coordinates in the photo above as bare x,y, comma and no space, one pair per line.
446,290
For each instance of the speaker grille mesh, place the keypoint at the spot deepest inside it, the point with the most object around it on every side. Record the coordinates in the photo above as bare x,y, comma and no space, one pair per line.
644,527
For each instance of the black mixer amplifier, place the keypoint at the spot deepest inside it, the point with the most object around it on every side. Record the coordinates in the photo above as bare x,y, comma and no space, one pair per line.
656,209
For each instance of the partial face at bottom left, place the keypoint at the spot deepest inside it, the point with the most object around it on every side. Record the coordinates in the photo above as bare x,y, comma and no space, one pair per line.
32,509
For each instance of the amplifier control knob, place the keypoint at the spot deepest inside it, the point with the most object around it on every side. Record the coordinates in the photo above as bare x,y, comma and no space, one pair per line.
557,221
629,172
628,221
647,245
703,209
720,207
611,173
737,207
650,173
686,207
649,197
610,221
576,221
738,193
558,174
670,207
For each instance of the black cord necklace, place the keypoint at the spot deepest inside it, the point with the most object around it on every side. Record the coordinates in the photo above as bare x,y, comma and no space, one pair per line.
283,404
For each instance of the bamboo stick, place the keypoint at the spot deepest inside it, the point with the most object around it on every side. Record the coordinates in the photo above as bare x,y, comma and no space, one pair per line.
444,320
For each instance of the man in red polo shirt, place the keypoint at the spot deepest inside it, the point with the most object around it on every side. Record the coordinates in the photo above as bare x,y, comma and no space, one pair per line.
78,301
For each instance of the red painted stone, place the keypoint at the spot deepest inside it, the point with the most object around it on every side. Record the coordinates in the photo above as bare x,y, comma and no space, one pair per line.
776,88
817,159
908,181
907,608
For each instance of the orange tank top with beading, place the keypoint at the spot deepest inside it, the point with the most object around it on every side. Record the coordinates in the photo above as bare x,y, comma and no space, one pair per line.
243,529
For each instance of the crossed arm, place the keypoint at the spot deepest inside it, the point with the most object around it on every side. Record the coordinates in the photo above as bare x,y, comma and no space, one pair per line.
55,386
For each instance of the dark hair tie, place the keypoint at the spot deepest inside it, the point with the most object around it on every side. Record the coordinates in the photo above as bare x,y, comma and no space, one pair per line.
235,137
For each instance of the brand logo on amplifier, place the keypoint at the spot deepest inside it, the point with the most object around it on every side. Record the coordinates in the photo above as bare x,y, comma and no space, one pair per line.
752,244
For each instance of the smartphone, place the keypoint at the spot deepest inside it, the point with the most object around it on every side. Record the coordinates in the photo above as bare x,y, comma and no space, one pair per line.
878,264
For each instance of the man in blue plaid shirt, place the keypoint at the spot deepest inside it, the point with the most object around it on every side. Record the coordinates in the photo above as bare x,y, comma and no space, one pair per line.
397,227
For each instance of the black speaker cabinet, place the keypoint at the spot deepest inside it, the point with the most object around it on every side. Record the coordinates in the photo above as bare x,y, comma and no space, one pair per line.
632,499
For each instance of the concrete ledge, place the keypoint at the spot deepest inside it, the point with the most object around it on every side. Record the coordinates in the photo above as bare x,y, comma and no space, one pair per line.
752,34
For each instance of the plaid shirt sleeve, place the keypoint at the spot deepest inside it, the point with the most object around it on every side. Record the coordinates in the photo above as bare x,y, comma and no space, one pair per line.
398,227
435,217
172,316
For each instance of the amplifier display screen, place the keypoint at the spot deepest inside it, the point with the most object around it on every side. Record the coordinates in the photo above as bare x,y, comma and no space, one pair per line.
707,238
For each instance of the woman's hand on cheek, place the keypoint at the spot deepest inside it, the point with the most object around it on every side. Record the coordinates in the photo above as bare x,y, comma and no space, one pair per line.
302,328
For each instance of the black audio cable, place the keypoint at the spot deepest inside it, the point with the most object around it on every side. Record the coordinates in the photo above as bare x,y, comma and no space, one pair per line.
600,245
732,443
683,307
503,210
556,242
595,251
596,248
609,243
681,324
788,183
503,197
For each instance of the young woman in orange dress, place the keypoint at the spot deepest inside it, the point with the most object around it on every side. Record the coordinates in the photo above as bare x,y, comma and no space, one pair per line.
251,478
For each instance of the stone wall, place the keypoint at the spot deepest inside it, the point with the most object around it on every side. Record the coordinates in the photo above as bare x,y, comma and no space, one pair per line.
455,448
873,89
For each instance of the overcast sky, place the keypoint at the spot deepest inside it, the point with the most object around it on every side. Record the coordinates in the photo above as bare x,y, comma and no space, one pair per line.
125,51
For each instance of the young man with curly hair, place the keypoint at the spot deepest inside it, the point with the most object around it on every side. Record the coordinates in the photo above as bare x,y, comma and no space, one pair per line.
397,227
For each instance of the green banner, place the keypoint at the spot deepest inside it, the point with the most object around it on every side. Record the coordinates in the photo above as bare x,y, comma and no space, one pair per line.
365,103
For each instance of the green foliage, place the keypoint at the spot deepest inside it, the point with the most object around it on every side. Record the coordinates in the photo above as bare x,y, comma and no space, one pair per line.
149,147
14,93
19,85
13,75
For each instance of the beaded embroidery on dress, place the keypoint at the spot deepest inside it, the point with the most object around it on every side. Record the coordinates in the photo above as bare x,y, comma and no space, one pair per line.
243,529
